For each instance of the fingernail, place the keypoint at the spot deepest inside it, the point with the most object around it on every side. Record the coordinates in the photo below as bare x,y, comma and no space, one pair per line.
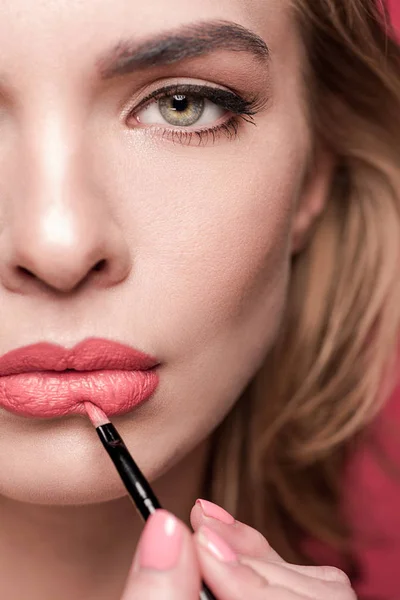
216,545
215,512
161,542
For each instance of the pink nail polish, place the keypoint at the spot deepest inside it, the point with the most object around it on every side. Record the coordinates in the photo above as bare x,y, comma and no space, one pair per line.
216,512
216,545
161,542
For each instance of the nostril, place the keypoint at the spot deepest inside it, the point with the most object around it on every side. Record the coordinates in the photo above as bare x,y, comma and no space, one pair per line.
24,271
100,266
26,274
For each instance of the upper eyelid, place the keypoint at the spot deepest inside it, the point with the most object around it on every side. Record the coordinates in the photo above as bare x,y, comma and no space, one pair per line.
195,89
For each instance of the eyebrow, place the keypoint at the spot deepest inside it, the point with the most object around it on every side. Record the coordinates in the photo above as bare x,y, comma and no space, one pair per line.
178,45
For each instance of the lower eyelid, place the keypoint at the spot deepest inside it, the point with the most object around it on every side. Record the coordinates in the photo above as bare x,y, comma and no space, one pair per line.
198,138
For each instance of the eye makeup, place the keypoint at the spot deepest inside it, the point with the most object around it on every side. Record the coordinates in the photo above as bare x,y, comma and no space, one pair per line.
229,100
237,109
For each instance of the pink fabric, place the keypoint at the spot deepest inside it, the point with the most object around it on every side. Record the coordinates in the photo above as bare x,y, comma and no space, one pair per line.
371,502
394,6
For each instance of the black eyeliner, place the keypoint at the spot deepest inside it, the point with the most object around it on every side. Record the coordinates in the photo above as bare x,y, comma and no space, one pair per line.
228,100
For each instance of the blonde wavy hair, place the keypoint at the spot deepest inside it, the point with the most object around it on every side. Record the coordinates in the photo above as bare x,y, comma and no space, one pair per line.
278,458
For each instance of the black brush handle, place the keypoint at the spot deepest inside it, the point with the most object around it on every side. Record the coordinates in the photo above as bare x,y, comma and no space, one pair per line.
135,482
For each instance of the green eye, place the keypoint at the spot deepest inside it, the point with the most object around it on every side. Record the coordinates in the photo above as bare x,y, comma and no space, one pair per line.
181,110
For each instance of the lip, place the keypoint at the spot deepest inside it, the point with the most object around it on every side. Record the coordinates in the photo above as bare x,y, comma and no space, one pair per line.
47,380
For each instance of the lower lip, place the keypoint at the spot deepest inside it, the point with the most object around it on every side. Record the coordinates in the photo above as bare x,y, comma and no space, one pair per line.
47,394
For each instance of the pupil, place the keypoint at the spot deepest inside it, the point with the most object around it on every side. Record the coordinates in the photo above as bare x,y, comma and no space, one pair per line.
180,103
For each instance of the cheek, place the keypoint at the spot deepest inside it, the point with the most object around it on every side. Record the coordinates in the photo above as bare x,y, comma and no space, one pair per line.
211,228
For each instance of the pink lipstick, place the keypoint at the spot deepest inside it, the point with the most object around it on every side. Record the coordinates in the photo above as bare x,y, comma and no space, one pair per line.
46,380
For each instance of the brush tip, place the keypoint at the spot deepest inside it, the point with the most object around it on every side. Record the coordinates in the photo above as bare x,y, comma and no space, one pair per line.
97,416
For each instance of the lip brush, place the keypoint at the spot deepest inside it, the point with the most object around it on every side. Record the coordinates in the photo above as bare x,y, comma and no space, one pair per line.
135,482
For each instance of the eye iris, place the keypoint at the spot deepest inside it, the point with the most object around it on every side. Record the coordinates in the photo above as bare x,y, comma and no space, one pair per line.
181,110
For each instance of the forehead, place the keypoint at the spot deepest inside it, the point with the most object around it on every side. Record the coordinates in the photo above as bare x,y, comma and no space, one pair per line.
46,32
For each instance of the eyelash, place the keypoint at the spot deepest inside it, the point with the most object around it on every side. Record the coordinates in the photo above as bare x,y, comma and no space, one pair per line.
241,109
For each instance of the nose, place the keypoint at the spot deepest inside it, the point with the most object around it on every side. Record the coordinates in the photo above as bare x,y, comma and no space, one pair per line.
54,248
58,232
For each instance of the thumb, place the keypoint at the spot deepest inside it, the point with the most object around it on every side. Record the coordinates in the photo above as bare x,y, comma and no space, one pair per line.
165,566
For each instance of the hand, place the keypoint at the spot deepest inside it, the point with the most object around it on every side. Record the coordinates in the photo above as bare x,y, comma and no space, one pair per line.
236,562
261,573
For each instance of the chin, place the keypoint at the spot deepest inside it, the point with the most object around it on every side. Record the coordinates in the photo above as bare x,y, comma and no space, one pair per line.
62,462
57,463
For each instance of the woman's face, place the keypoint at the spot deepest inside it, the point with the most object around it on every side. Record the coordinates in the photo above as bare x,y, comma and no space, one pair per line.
192,208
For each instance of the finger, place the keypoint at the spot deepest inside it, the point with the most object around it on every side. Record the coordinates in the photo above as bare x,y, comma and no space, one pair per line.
246,541
325,573
165,566
281,574
228,578
242,538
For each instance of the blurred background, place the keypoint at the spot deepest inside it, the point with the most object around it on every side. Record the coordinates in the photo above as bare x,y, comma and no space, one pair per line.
395,8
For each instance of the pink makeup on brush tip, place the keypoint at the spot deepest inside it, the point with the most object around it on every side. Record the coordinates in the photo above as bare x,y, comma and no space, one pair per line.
97,416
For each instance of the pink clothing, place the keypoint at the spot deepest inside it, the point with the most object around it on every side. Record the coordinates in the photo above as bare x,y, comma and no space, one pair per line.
394,6
373,506
371,502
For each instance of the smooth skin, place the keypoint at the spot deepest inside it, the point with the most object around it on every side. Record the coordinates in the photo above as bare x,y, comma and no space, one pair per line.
195,245
235,560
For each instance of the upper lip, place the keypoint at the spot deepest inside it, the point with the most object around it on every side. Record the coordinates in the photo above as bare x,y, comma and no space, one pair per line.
93,354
